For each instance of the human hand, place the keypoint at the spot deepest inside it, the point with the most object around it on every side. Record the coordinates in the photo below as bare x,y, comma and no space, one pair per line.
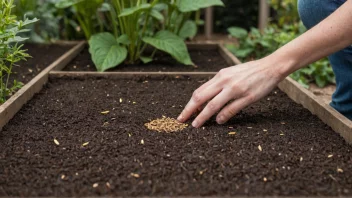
245,83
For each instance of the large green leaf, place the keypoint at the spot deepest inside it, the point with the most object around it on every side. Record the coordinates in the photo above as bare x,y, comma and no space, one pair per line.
129,11
172,44
194,5
237,32
188,30
106,51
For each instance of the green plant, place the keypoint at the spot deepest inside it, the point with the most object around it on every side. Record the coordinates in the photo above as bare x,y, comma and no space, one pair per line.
255,45
10,50
137,24
87,14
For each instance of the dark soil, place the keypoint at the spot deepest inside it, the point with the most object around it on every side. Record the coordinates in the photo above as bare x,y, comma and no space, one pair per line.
300,154
42,56
206,61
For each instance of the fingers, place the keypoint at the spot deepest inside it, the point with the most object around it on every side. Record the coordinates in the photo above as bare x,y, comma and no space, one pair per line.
212,107
200,96
232,109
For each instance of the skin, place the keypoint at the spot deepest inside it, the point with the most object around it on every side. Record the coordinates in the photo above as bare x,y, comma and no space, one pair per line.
249,82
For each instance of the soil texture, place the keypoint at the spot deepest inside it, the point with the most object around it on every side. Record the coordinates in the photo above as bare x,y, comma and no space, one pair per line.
86,137
205,60
42,56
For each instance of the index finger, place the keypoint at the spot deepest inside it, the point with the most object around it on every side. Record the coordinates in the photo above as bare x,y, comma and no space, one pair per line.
199,97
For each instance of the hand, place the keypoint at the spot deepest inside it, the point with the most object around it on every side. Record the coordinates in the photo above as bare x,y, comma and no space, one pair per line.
245,83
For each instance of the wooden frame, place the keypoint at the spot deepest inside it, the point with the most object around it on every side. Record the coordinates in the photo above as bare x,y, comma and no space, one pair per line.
294,90
14,104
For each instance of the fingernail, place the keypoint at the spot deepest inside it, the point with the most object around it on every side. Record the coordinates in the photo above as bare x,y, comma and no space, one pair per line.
180,118
221,120
195,124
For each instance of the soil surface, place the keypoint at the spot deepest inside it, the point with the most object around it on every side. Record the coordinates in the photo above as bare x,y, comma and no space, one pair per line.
42,56
65,143
206,61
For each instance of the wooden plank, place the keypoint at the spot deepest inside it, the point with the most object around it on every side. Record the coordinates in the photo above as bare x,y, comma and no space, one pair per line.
264,13
70,56
228,56
209,21
128,75
14,104
325,112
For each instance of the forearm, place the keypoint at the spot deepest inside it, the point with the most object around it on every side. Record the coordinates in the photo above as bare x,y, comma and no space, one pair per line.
329,36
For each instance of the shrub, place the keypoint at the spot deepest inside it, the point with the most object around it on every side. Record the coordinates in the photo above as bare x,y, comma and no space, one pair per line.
10,50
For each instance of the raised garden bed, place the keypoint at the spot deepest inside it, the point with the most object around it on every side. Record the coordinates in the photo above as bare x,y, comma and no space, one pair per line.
34,73
65,143
207,57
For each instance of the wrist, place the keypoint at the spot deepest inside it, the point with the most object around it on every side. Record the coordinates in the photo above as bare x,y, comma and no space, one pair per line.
282,65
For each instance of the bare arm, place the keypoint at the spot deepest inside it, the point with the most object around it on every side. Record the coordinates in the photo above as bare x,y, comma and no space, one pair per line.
249,82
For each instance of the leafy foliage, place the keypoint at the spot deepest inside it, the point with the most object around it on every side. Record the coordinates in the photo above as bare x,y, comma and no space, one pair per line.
127,28
10,50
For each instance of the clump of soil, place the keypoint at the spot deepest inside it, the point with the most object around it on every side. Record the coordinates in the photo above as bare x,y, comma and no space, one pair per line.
274,147
165,124
205,59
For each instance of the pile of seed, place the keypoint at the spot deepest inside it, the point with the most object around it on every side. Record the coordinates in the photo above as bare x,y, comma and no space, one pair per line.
165,124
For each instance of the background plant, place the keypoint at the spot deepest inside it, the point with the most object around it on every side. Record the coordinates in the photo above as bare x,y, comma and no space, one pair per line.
255,45
127,28
10,51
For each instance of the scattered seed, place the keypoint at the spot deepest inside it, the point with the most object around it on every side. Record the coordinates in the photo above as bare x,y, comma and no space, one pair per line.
177,77
282,134
74,66
202,171
129,135
108,185
145,81
265,130
133,102
56,142
105,112
85,144
275,92
268,99
165,124
142,141
106,124
339,170
63,176
95,185
260,148
265,179
249,127
283,123
120,100
301,159
135,175
77,174
30,70
230,127
232,133
330,156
